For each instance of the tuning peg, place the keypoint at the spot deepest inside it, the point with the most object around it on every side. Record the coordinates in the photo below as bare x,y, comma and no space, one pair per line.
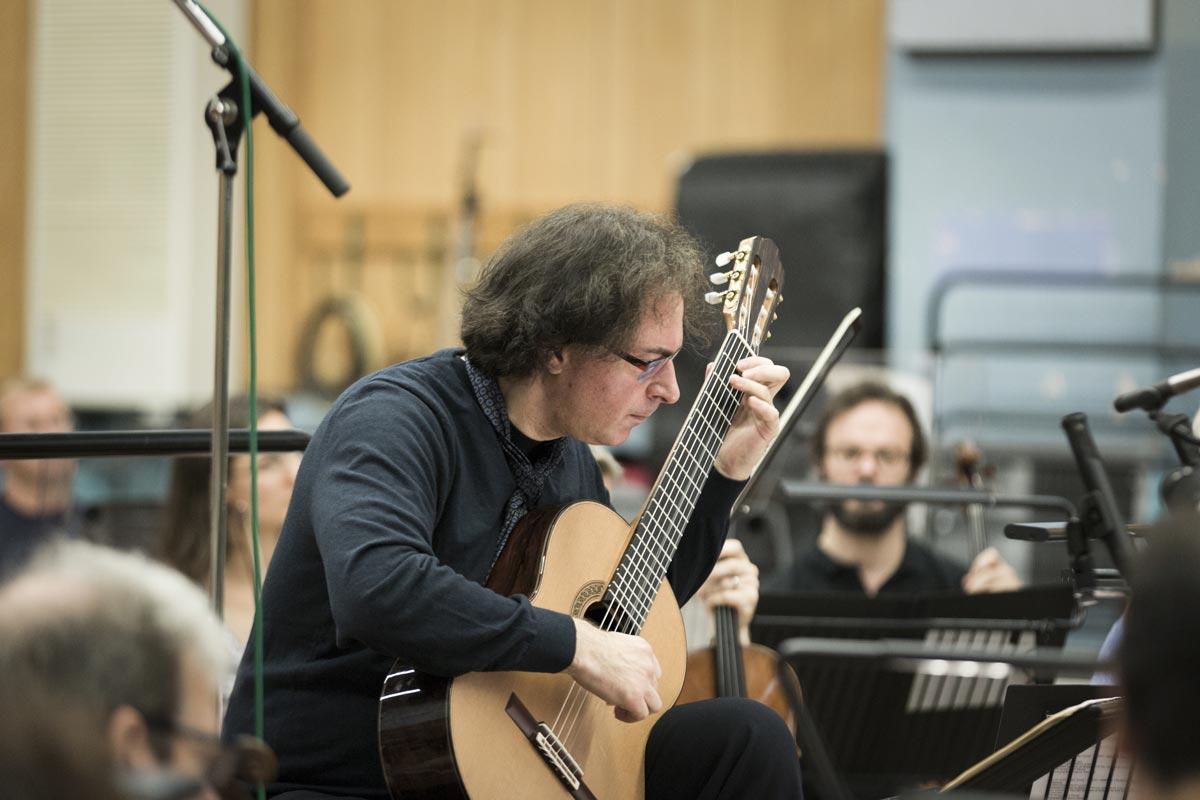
719,278
774,317
724,259
768,334
714,298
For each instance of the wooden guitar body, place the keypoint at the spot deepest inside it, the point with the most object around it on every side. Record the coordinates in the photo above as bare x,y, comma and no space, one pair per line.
457,738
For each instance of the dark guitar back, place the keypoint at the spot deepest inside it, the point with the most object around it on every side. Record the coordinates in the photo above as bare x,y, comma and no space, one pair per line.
414,707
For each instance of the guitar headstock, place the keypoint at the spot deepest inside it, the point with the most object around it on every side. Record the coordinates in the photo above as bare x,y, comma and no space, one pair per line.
753,288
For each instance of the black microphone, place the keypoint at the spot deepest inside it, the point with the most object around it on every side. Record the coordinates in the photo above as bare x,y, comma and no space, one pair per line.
283,120
1105,521
1156,396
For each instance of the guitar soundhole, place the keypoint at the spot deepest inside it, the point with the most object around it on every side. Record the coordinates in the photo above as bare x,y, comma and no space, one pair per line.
610,617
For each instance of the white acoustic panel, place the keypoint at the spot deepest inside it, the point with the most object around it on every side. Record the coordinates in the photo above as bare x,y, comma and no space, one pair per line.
122,202
965,26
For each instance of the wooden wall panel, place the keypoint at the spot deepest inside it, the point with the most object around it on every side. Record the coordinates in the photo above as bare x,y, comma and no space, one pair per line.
14,99
591,100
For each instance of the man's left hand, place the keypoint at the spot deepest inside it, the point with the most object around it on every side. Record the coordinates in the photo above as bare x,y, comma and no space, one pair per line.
989,572
756,421
733,582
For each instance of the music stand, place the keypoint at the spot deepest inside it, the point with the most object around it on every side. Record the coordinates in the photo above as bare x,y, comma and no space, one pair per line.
1054,742
887,728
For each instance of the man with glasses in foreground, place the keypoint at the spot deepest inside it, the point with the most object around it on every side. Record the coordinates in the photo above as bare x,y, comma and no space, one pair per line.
129,648
870,435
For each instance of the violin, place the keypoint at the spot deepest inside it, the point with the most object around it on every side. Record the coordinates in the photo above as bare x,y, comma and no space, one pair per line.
728,669
967,458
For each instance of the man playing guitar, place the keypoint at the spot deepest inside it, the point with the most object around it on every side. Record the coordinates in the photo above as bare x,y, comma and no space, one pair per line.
420,472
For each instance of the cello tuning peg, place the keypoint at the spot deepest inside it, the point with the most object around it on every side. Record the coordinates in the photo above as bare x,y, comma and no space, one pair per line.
719,278
714,298
724,259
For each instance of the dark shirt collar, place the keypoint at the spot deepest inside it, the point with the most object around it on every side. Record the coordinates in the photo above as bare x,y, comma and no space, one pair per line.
530,447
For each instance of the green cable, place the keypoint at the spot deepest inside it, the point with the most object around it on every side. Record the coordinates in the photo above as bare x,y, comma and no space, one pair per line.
243,74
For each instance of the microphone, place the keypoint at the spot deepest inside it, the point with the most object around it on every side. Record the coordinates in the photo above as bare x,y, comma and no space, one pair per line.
1102,521
1156,396
283,120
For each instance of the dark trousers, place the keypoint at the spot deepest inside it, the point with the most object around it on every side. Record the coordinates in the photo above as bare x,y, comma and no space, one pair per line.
723,749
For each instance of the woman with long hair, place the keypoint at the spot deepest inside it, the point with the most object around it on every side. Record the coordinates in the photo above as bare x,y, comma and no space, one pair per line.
185,540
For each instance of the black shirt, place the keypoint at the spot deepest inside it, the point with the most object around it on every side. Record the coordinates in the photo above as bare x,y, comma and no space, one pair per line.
391,531
921,570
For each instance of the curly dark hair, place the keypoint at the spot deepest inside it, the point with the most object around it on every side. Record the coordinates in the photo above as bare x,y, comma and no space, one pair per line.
582,275
861,393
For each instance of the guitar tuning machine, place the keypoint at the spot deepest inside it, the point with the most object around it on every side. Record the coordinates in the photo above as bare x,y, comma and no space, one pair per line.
716,298
722,278
724,259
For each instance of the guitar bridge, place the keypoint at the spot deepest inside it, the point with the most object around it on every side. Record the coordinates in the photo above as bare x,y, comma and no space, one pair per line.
553,752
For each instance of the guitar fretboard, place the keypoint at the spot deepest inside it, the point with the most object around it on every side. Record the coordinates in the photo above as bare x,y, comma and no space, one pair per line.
635,584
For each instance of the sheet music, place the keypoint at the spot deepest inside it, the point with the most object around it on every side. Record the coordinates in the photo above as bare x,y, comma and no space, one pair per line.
949,692
1098,773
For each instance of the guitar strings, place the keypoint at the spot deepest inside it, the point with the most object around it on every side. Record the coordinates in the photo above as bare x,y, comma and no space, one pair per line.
707,443
620,592
732,399
650,553
640,586
637,567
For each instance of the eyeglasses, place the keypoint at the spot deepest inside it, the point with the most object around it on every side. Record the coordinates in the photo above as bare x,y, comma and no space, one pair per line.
213,752
885,457
247,758
648,368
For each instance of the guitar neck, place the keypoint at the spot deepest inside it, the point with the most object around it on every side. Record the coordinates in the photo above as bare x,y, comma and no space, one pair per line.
666,512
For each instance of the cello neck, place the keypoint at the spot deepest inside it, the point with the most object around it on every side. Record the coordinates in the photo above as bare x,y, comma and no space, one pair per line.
730,669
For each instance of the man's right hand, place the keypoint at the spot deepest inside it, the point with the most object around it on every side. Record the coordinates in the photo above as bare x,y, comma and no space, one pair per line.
620,669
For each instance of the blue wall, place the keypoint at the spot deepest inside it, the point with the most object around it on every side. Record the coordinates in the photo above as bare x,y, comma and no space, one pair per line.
1088,164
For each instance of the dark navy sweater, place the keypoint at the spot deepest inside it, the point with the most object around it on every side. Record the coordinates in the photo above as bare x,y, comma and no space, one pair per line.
390,533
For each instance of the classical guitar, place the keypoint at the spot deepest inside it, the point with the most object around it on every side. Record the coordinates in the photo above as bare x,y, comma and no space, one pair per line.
534,735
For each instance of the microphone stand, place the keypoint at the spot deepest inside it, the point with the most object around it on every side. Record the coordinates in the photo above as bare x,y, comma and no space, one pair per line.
225,120
1098,519
1180,488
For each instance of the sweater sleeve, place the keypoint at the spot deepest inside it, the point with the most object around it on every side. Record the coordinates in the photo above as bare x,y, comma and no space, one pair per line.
374,510
702,538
